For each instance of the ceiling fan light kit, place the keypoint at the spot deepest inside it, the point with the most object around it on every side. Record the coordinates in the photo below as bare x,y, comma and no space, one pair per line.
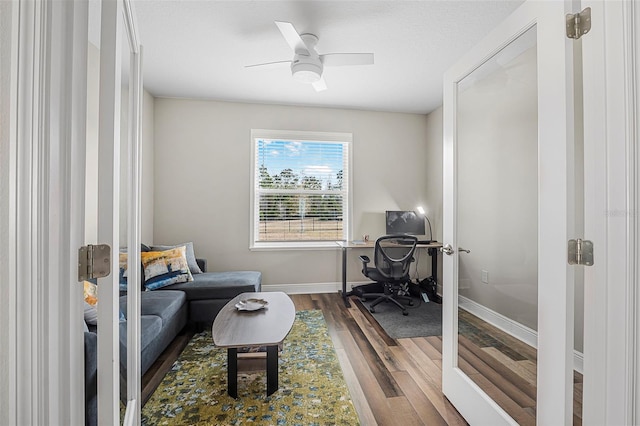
306,73
307,65
306,69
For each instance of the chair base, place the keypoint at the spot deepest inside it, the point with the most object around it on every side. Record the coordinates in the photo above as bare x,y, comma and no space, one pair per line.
381,297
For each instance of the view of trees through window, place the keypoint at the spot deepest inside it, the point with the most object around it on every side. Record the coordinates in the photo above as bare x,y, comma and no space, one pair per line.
300,190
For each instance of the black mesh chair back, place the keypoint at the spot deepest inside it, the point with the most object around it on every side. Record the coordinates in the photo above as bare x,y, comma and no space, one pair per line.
393,256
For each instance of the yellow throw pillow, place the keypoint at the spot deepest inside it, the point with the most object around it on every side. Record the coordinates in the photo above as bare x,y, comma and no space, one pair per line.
90,293
163,268
90,303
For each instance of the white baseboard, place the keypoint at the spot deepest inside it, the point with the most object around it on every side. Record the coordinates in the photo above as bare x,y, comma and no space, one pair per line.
309,288
511,327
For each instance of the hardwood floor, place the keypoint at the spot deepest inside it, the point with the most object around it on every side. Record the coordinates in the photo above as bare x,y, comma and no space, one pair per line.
398,381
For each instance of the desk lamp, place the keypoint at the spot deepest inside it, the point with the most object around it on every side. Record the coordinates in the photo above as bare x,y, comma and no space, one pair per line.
422,212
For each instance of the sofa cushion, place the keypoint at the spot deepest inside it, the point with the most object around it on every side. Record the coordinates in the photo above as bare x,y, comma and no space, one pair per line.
162,304
150,326
219,285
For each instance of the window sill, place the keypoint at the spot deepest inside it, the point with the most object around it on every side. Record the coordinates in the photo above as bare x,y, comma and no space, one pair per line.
292,245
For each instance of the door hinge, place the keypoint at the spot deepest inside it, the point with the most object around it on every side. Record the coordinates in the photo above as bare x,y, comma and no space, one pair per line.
94,261
580,252
579,24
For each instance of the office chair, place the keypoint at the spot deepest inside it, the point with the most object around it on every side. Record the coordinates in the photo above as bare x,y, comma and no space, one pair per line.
393,256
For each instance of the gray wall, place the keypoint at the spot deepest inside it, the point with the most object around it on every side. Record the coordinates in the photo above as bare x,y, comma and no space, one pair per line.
202,180
146,194
433,165
91,193
497,190
91,174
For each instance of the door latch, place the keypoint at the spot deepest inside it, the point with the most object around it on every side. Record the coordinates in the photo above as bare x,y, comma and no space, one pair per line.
447,249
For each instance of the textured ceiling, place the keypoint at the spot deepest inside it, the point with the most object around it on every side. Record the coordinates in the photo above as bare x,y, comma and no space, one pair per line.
199,49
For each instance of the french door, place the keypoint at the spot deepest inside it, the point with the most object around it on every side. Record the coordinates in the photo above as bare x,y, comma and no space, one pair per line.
120,104
509,211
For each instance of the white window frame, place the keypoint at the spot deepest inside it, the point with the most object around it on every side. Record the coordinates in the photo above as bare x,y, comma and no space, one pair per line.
298,136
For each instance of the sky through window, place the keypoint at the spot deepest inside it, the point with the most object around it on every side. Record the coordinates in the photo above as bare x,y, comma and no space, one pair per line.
322,160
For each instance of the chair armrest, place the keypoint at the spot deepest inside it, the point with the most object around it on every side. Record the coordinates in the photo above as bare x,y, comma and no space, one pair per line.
202,263
365,261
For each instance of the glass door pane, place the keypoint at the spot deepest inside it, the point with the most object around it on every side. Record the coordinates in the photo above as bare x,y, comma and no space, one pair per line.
497,226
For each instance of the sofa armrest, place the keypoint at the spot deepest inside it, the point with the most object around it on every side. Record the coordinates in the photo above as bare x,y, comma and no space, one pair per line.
202,263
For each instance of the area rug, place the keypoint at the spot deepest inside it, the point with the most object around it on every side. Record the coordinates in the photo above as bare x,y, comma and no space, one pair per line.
312,387
424,319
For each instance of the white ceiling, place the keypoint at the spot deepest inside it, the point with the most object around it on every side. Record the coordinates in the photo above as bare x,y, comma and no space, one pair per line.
199,49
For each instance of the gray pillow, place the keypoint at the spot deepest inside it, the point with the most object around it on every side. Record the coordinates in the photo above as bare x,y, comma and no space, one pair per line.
189,253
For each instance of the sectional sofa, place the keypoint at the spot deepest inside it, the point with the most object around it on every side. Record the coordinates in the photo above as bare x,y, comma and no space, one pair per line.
164,313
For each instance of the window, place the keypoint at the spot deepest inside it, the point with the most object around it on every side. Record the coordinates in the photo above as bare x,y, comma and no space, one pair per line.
300,190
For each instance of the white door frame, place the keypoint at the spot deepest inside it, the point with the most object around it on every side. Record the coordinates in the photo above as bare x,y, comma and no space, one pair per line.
118,22
45,214
611,54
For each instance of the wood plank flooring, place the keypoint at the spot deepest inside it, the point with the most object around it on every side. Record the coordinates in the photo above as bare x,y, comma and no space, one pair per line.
398,381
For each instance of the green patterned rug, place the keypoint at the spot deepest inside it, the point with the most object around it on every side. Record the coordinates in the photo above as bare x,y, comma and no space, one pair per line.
312,388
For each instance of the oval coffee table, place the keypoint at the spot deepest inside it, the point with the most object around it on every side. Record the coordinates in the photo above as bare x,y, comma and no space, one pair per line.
233,329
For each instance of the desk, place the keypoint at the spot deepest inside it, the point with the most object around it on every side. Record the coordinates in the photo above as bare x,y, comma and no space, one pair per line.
432,249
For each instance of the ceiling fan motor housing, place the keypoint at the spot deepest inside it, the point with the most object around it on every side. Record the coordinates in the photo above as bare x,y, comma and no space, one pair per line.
307,68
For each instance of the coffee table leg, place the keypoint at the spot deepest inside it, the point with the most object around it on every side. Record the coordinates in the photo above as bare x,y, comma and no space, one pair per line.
232,372
272,369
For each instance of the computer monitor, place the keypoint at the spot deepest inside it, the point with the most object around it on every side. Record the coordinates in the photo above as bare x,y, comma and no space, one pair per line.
404,222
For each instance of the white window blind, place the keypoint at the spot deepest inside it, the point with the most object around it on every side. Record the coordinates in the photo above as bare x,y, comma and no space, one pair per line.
300,189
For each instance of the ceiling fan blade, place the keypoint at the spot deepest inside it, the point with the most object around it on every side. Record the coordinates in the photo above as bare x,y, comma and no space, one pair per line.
266,64
320,85
292,37
340,59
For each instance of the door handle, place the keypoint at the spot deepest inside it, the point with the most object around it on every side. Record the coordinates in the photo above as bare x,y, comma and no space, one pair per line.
447,249
464,250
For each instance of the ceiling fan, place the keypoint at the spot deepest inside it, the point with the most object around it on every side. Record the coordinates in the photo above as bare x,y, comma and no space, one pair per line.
307,65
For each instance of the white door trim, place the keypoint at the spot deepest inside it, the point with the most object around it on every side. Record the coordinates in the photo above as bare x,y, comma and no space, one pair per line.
134,167
635,397
8,221
46,204
611,220
109,210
